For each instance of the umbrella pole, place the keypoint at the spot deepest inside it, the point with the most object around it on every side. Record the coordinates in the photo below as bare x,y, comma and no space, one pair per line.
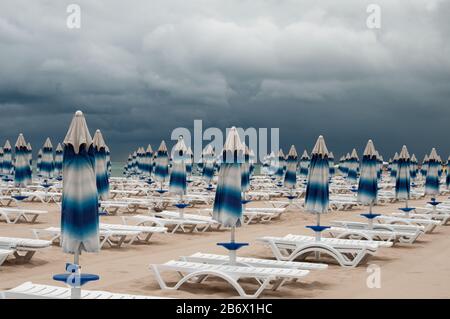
233,252
75,291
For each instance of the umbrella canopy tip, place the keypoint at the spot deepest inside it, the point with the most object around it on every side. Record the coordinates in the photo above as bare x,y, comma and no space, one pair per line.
78,113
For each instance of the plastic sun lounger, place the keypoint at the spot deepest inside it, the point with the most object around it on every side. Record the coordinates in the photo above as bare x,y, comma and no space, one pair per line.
24,248
428,223
6,201
253,262
145,232
13,215
174,224
422,213
346,252
4,253
114,238
402,233
189,217
28,290
381,235
200,272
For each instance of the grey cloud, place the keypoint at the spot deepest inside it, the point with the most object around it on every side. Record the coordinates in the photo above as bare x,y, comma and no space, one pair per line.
140,69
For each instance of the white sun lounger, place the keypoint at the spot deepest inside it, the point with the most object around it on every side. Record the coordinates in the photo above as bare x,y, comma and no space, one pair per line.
253,262
6,201
23,248
199,272
172,223
4,253
189,217
145,232
346,252
382,235
407,234
13,215
28,290
424,213
428,223
114,238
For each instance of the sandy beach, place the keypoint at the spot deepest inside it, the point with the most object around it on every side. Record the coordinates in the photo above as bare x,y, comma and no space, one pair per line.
419,270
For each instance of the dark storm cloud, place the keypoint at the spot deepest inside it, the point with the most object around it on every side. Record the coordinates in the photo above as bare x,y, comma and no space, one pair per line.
138,70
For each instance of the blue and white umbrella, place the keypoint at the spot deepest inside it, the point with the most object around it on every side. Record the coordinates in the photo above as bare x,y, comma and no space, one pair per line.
101,170
402,181
252,160
379,165
79,208
290,179
413,168
368,181
149,161
208,164
108,161
432,177
58,160
1,160
245,171
162,164
177,182
346,164
7,159
22,165
353,166
273,164
447,178
280,165
38,162
317,189
227,208
394,166
424,166
47,164
304,165
189,161
331,164
30,163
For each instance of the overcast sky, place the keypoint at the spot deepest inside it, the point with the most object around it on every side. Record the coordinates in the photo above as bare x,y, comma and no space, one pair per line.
139,69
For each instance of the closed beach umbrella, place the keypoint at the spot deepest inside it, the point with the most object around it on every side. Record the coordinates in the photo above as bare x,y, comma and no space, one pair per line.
47,164
227,202
38,162
30,163
290,179
353,167
227,208
368,181
208,164
162,164
317,189
331,164
402,182
273,163
7,159
1,160
304,165
149,161
280,165
413,168
108,161
447,179
394,166
58,160
79,208
101,171
432,178
245,170
21,173
424,166
189,161
177,182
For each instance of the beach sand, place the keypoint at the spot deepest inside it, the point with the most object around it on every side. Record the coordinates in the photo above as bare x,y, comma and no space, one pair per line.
420,270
